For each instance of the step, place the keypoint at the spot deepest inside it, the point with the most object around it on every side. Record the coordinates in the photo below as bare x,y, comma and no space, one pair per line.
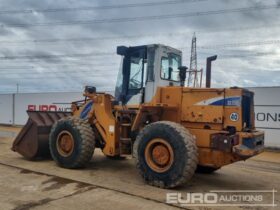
125,140
125,146
126,124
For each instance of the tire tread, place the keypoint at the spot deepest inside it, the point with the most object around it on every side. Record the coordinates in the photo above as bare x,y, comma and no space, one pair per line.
191,157
87,144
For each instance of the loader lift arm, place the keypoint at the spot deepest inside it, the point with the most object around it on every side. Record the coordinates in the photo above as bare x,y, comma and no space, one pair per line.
102,118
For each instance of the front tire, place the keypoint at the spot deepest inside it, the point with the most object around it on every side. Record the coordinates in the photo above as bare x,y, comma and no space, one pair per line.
166,154
71,142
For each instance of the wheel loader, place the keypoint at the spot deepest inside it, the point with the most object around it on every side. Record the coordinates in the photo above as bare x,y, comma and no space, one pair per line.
171,130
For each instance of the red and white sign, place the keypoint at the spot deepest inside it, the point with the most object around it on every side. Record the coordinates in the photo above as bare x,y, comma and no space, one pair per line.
50,107
43,102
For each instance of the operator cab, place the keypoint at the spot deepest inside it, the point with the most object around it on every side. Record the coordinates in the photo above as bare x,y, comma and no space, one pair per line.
143,69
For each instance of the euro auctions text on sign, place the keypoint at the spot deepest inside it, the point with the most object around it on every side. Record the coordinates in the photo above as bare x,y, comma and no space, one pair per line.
48,107
267,117
226,198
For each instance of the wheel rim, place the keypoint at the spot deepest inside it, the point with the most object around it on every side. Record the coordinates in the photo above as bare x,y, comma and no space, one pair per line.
159,155
65,143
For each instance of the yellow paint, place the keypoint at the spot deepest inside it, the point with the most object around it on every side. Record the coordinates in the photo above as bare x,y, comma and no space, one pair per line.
187,106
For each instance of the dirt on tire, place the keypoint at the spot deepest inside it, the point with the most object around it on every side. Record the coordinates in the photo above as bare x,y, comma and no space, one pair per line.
84,142
185,154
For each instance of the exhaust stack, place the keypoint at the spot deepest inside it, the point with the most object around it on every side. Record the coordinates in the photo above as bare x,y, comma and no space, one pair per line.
208,70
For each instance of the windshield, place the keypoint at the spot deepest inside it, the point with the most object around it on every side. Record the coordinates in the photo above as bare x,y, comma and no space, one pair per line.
169,67
137,66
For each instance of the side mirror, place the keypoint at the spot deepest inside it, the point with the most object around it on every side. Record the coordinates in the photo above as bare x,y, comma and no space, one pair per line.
121,50
182,74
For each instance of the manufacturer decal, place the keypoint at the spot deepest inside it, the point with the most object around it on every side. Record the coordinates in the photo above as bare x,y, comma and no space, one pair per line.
221,101
234,117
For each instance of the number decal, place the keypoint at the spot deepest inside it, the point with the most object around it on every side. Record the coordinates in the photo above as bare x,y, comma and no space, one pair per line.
234,116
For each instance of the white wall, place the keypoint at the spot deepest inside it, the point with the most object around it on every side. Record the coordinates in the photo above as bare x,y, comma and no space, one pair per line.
267,113
267,108
6,109
37,101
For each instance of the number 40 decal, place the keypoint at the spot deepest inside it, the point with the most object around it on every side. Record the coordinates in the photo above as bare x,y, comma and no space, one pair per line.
234,116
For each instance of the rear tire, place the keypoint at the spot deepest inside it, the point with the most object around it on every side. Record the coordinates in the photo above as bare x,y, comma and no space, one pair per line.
166,154
72,142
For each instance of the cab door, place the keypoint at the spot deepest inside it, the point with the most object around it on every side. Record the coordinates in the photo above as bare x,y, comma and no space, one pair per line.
136,66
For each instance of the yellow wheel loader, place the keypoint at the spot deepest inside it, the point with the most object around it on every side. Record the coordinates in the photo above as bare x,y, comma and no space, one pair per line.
171,130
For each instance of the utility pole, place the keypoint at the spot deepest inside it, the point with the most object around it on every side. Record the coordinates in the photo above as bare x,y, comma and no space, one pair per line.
193,79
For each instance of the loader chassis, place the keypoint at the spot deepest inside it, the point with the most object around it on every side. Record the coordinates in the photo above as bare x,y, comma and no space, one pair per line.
205,112
171,130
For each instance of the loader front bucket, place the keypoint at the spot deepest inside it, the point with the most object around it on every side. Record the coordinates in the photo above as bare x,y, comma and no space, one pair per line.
33,140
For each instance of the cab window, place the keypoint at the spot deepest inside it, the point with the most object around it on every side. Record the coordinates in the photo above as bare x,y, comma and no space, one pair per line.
169,67
137,71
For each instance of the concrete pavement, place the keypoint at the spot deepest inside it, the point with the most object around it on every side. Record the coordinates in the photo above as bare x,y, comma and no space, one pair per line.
115,184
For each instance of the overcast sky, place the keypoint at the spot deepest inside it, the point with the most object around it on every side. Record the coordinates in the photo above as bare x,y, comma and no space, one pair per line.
45,46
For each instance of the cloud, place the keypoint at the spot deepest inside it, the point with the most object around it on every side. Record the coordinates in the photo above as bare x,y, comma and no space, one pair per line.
233,68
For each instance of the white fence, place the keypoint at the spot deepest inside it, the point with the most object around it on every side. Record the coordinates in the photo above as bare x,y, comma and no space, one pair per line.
13,108
6,109
267,113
